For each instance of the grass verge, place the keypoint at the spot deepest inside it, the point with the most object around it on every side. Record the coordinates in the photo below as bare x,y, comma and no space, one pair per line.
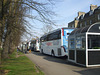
20,65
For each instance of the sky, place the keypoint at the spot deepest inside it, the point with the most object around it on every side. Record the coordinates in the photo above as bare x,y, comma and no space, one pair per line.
66,11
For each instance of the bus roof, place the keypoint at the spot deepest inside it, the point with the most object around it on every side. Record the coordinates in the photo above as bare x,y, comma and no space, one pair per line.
57,30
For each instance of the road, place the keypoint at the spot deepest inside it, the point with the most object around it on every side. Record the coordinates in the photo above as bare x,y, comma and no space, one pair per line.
59,66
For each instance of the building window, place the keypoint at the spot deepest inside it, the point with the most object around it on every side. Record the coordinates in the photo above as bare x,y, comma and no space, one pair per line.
73,26
69,26
90,13
98,16
82,16
77,18
85,23
80,25
90,21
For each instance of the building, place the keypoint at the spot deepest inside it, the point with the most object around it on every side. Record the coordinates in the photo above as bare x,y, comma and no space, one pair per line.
74,23
83,19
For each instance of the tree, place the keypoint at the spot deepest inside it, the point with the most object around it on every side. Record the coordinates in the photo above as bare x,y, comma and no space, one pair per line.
47,28
13,23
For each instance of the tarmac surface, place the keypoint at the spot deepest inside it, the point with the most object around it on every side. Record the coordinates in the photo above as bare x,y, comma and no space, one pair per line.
60,66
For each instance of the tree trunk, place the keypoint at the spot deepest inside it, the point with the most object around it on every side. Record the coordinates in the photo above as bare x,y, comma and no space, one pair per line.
4,53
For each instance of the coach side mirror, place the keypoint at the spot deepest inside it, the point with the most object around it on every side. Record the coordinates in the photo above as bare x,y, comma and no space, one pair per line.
68,33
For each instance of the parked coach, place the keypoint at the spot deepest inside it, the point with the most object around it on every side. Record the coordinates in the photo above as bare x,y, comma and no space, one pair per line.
55,43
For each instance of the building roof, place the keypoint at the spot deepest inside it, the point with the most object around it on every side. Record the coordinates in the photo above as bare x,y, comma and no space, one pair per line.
94,28
91,12
98,8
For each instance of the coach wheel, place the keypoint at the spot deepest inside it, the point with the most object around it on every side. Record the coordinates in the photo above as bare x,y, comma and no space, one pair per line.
52,53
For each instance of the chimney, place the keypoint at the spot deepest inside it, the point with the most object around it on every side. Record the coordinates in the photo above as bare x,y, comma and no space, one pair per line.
92,7
81,13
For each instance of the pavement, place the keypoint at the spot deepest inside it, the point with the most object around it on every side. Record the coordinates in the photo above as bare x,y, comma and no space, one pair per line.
60,66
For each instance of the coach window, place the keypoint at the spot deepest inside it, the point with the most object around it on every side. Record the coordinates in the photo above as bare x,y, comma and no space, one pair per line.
45,38
51,36
59,35
55,35
42,39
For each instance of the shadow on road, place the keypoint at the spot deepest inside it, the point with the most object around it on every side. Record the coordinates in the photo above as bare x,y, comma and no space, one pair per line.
90,71
76,68
62,60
